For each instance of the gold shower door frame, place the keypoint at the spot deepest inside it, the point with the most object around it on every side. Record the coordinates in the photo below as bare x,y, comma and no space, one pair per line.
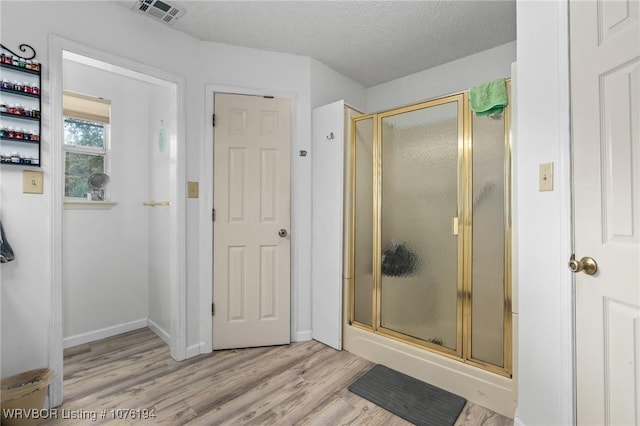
464,306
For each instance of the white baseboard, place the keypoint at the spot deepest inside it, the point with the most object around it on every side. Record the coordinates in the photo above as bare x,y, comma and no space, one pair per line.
160,332
197,349
103,333
302,336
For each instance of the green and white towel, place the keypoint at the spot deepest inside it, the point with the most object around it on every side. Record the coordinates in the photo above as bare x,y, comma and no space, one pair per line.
489,98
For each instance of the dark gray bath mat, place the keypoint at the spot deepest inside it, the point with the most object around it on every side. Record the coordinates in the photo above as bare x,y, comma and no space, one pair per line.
415,401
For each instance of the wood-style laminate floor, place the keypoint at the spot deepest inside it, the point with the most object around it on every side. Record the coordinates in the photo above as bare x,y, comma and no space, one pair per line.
302,383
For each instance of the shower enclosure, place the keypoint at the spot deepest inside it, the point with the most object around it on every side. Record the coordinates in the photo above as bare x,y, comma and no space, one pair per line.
428,208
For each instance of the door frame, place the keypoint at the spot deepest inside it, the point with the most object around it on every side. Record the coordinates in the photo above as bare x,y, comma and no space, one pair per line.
564,182
177,227
206,207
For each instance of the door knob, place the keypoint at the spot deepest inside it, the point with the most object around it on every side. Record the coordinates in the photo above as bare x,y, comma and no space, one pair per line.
586,265
282,232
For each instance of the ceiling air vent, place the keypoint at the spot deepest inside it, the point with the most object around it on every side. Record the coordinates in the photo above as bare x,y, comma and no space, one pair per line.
159,10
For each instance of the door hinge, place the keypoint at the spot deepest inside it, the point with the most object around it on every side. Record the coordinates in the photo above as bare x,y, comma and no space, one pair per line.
213,215
213,120
213,309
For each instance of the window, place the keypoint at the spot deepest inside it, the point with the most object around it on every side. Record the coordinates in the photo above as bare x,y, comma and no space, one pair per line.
86,137
85,152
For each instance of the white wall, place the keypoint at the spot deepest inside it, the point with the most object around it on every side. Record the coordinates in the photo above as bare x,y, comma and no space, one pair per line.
233,69
26,295
445,79
106,255
26,283
329,86
542,220
160,103
305,81
542,137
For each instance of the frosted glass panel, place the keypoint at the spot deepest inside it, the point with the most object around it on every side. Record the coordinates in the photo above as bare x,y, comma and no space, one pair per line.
419,202
487,279
363,241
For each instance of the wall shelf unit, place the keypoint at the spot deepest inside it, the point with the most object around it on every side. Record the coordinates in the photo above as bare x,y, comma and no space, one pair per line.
19,140
19,93
20,107
22,117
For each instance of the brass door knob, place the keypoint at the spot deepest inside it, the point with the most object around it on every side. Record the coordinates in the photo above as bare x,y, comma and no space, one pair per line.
586,265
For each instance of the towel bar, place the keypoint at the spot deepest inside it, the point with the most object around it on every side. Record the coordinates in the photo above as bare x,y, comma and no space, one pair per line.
156,203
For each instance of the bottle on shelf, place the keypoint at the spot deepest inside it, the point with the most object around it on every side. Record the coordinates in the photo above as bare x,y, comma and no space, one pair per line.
16,61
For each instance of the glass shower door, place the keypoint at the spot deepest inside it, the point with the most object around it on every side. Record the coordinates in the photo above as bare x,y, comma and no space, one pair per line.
420,257
429,235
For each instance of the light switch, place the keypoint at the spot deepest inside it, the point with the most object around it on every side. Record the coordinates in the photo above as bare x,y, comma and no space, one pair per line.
32,182
546,177
192,189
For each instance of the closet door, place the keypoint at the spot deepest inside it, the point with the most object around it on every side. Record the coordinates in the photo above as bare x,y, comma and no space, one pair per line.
327,161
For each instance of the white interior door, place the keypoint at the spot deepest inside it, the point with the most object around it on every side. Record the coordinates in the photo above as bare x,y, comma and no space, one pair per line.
605,87
251,245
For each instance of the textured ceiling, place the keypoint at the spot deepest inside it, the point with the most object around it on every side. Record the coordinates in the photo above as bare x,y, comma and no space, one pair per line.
369,41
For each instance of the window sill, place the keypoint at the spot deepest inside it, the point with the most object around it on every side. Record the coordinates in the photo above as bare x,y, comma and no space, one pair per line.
81,204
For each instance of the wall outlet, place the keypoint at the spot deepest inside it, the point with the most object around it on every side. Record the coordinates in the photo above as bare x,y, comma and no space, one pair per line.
546,177
192,190
32,182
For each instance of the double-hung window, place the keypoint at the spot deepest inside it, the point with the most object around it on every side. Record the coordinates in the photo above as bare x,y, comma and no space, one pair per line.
86,141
